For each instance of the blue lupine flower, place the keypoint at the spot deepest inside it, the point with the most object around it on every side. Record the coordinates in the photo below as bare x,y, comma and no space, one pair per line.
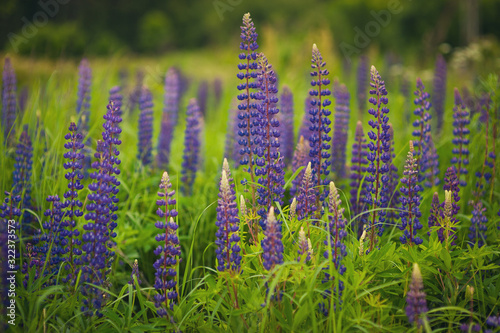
248,113
389,193
286,119
135,271
268,162
416,307
432,168
410,201
478,228
451,184
306,199
379,155
116,96
9,87
135,94
341,125
190,158
169,253
319,140
358,169
169,117
145,145
22,177
228,248
461,132
272,245
362,83
439,92
436,216
422,130
300,159
202,97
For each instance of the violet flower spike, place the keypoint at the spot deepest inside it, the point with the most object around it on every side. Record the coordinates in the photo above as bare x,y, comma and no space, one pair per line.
169,253
439,91
300,159
191,156
306,200
358,169
416,307
362,83
460,140
341,125
272,245
22,177
436,216
145,145
390,196
478,228
135,271
286,119
320,138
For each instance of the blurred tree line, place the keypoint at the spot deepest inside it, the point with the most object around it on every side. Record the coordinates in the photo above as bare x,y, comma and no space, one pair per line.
57,28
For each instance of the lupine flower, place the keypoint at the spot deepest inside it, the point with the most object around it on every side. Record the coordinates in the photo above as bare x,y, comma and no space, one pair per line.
22,176
410,202
286,120
232,147
116,96
228,249
145,145
169,117
300,159
194,124
22,100
217,91
169,253
451,207
135,271
293,210
135,94
248,114
202,97
358,169
305,127
416,307
436,216
9,87
492,322
319,140
488,167
339,142
336,249
461,132
303,246
97,254
478,228
439,92
379,155
389,193
269,164
432,167
362,83
83,102
422,129
272,245
74,158
306,200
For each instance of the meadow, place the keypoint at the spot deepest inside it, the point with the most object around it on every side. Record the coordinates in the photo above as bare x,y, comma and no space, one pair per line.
355,197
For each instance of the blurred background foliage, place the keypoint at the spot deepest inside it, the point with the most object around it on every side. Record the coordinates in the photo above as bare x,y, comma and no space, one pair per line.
75,28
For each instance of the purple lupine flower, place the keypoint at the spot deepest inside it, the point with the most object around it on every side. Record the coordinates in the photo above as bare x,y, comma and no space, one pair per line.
72,205
248,115
306,199
436,216
422,130
451,185
362,83
304,246
320,138
268,162
336,249
217,91
202,97
9,87
170,116
492,322
135,271
116,96
488,167
232,147
358,169
194,124
169,253
300,159
432,168
286,119
272,245
416,307
439,92
461,132
410,201
23,100
379,154
305,127
478,228
339,141
83,102
135,94
145,145
101,209
22,177
228,248
389,193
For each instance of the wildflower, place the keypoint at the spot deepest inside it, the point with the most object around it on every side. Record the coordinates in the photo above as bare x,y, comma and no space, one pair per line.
306,201
422,130
22,177
416,307
439,93
144,145
339,142
286,120
135,272
303,246
478,228
300,159
272,245
362,83
460,131
358,169
190,158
